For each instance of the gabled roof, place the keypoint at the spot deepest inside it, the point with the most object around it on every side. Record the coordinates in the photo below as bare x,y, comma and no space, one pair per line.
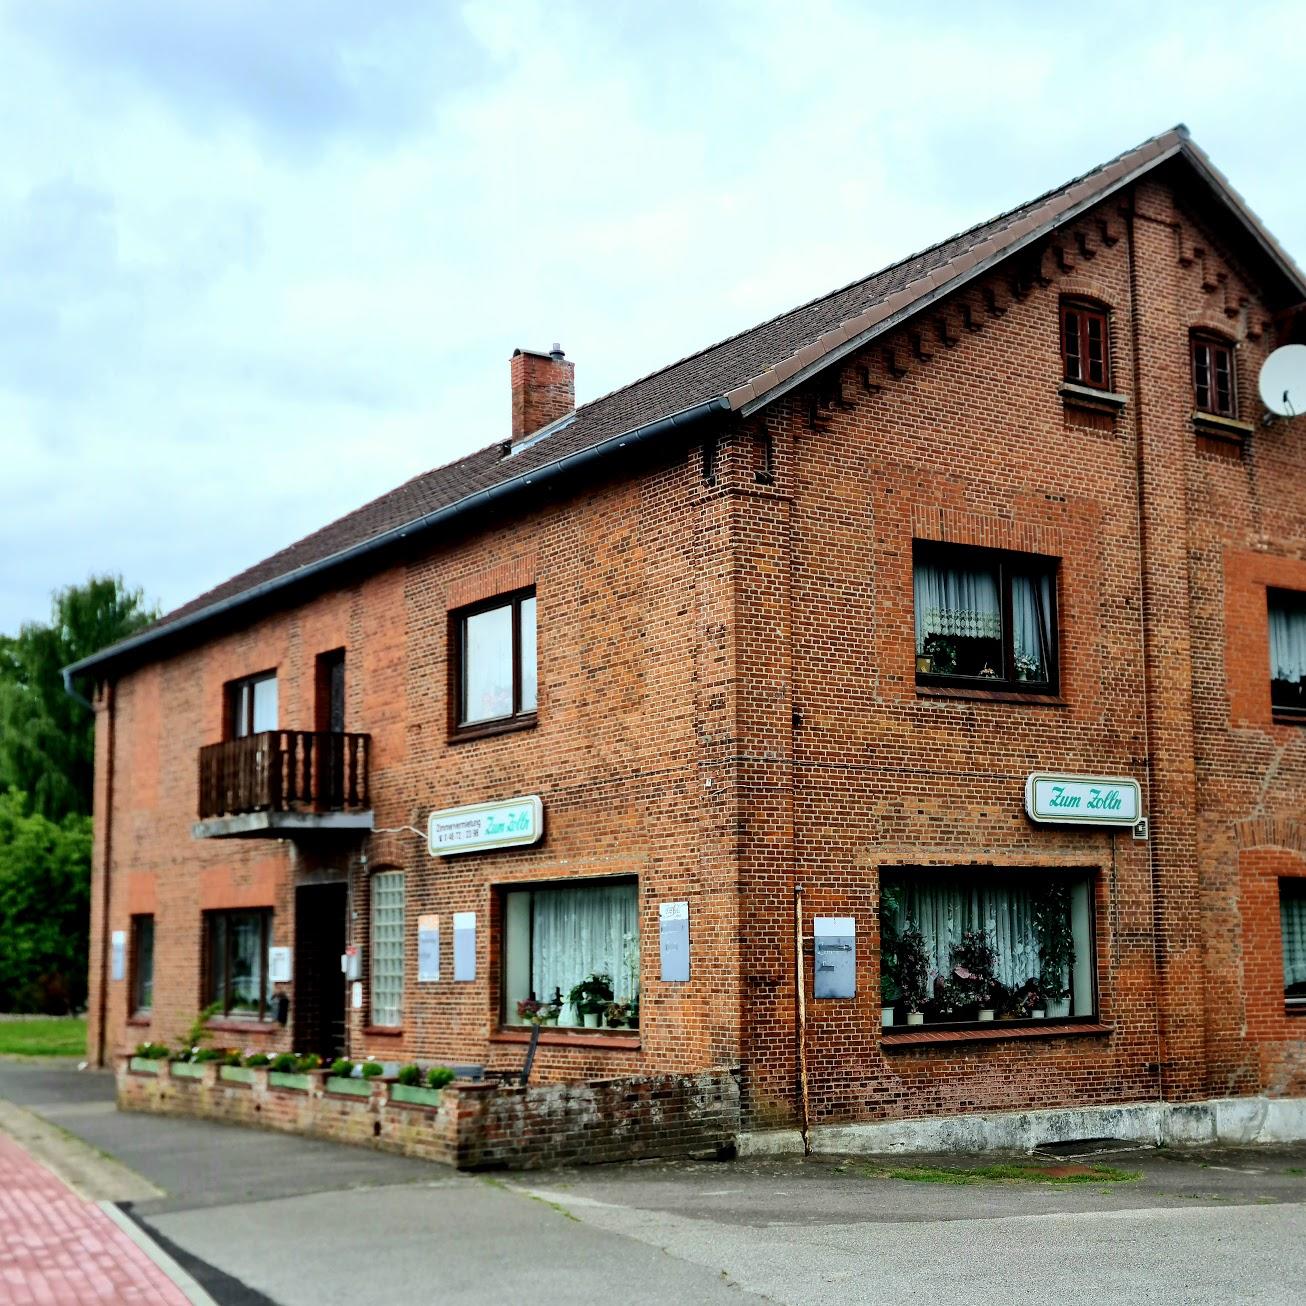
739,374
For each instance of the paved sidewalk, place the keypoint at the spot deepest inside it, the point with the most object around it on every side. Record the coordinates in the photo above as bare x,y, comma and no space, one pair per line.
58,1249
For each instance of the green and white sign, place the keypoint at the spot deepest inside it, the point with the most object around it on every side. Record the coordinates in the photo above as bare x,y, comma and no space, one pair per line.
485,826
1083,799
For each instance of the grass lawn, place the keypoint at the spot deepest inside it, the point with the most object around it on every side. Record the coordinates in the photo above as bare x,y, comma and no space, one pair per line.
57,1036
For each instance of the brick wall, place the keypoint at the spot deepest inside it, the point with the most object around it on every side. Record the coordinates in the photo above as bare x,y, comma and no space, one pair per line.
475,1126
728,709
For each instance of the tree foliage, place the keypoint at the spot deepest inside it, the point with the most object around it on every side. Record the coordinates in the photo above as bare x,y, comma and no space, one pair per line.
47,744
44,908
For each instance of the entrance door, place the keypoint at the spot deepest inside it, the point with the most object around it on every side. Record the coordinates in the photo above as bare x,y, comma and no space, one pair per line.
319,985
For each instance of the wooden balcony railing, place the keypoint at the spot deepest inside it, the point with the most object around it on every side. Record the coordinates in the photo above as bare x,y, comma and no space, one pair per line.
285,771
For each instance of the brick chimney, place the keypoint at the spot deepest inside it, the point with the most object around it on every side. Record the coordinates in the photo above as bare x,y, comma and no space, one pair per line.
543,390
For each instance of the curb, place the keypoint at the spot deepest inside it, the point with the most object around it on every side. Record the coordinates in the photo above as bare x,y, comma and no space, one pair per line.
183,1281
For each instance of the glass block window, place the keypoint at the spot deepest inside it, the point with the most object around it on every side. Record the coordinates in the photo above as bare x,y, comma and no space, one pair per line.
388,948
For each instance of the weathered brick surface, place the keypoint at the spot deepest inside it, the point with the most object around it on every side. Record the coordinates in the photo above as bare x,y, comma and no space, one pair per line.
728,708
476,1126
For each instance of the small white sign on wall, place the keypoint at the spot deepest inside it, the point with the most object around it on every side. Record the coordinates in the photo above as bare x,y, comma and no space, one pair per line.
428,949
118,955
279,965
356,995
464,945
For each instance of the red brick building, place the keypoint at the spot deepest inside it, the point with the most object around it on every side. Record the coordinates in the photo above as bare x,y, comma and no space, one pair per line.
781,633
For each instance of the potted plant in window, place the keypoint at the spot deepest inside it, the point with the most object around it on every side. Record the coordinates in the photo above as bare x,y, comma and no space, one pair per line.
889,995
616,1015
913,972
528,1011
973,981
1056,947
941,653
590,998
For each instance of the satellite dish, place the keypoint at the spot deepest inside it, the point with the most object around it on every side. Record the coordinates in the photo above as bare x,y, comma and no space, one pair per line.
1283,381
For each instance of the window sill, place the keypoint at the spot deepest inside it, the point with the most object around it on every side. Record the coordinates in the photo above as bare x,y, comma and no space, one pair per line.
464,734
990,695
383,1031
140,1018
1225,428
920,1036
1287,717
607,1040
251,1026
1087,396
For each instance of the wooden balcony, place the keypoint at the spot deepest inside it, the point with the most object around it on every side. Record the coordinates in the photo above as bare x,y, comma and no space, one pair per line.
283,782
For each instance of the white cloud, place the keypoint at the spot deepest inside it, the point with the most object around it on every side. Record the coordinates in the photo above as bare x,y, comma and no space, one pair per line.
259,263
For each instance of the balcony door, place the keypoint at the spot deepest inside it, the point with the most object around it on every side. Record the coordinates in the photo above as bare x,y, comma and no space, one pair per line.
329,722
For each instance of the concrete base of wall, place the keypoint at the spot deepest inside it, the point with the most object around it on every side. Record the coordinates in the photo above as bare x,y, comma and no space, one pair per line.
1232,1120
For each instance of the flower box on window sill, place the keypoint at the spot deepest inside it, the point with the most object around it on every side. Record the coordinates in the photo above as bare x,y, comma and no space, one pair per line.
349,1087
415,1095
999,1031
1074,395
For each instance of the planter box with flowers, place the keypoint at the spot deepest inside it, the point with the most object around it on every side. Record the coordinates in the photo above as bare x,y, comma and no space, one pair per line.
236,1074
148,1058
341,1079
410,1090
291,1072
187,1070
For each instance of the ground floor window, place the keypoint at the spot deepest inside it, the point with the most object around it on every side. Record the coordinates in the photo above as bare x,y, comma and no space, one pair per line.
388,948
236,948
571,954
142,965
958,947
1292,917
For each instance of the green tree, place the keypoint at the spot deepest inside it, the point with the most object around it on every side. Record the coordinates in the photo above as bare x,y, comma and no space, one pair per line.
47,744
44,908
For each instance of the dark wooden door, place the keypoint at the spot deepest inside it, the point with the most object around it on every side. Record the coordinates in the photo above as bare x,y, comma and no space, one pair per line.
319,999
330,723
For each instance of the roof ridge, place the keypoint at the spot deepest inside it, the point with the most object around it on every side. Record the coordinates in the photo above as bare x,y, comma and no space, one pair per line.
1005,217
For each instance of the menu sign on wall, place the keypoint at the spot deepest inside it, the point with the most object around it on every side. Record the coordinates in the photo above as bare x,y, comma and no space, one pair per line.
1083,799
483,826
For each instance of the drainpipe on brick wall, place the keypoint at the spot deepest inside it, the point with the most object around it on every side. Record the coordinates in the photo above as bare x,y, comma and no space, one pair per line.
1158,963
106,861
800,989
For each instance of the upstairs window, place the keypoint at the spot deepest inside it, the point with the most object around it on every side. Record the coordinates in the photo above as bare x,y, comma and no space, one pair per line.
1214,385
1085,345
985,618
1288,652
1292,919
252,705
494,646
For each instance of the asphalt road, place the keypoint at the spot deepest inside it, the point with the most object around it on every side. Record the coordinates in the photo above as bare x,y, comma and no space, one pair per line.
260,1217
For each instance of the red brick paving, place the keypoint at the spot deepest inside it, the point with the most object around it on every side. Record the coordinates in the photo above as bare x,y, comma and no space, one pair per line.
57,1249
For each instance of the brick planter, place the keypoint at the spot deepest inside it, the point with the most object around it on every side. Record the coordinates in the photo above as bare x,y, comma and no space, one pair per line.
471,1125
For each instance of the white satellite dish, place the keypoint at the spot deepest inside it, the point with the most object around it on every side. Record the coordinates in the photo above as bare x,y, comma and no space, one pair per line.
1283,381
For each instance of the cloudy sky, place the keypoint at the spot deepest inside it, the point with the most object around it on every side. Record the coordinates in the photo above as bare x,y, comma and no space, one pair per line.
262,261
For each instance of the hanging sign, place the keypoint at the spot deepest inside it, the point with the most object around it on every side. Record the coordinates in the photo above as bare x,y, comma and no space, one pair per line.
835,949
279,965
483,826
428,949
673,941
1083,799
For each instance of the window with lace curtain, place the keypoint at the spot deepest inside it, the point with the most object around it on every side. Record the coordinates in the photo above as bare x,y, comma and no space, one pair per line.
960,947
1287,611
387,888
985,617
1292,918
558,936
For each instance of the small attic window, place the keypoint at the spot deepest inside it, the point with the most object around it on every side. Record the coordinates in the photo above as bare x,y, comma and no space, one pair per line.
1085,344
1215,387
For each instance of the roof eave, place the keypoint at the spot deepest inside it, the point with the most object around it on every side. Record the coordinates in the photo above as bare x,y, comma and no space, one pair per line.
126,649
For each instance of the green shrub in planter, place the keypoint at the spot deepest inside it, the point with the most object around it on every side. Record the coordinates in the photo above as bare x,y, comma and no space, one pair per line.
309,1061
439,1076
410,1076
288,1079
415,1095
256,1059
209,1054
371,1069
152,1051
342,1068
285,1063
